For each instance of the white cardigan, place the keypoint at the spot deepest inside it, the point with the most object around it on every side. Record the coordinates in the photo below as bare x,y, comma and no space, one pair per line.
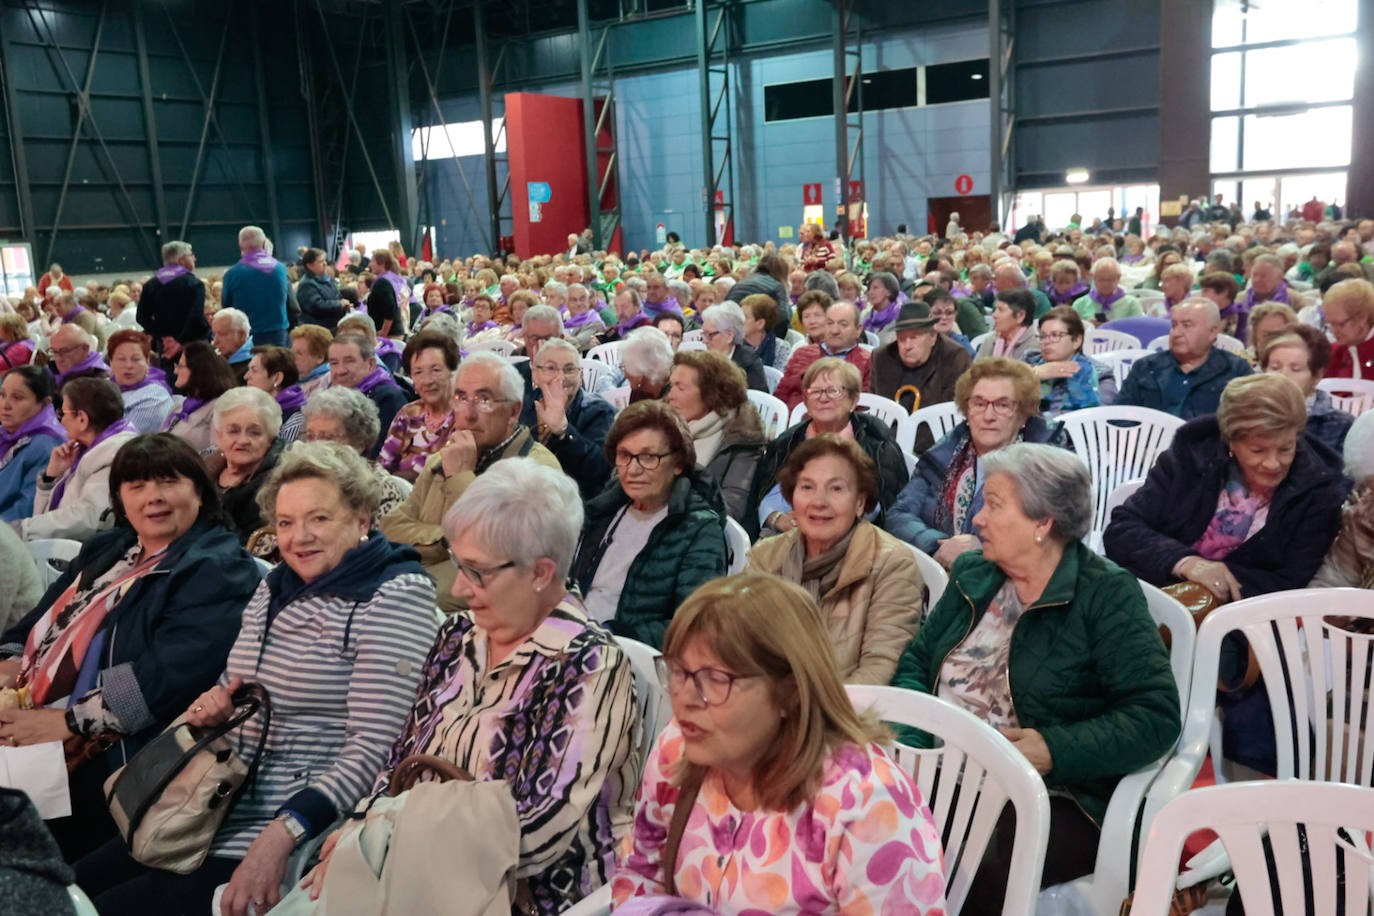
85,501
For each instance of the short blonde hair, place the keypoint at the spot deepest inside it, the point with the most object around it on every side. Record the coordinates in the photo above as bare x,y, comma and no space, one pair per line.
840,370
1263,404
1356,295
1065,268
13,327
260,402
316,337
1269,310
1023,383
762,626
332,462
1177,270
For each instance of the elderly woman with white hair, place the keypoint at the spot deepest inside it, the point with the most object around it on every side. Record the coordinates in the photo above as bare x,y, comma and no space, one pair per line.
1084,692
1107,301
583,323
245,423
646,359
722,330
525,688
1350,561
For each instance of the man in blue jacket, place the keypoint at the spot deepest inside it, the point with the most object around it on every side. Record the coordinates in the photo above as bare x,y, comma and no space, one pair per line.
257,286
1187,379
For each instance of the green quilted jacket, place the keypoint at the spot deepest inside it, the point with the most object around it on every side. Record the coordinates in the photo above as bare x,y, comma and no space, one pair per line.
684,550
1088,669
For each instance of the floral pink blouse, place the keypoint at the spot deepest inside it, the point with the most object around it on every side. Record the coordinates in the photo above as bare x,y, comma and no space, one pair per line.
866,844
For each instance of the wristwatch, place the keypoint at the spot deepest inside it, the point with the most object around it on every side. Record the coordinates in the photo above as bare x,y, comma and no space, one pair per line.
293,827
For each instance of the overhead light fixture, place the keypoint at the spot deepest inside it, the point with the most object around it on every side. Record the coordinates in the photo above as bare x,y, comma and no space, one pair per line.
976,76
1076,176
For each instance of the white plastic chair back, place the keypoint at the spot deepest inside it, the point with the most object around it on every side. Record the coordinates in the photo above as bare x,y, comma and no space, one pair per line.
1121,361
503,347
654,707
933,577
619,397
691,345
1353,395
608,353
264,567
81,904
597,376
515,360
1147,297
965,782
51,556
941,418
737,541
897,417
694,336
798,414
1335,818
796,338
1114,499
1118,444
1100,341
597,903
1230,344
871,339
1159,343
978,341
772,376
772,411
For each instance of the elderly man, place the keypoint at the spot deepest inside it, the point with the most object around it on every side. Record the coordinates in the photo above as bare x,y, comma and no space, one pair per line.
1187,379
1008,275
842,334
353,364
355,262
230,331
258,287
920,367
1344,253
74,355
722,330
541,324
66,310
172,307
1106,301
509,283
657,299
1266,285
629,315
487,394
566,419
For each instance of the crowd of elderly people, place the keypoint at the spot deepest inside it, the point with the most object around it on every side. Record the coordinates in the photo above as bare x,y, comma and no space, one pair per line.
400,497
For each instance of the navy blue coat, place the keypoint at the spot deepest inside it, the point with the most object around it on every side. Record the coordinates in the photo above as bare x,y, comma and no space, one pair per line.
581,449
167,640
1145,385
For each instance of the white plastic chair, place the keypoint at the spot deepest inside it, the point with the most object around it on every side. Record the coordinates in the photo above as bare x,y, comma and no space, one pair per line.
978,341
1230,344
503,347
796,338
608,353
264,567
694,336
897,417
772,376
941,418
655,709
772,411
1243,814
1121,361
1100,341
1352,395
619,397
1118,444
80,902
933,576
51,556
691,345
871,340
1119,495
597,376
737,540
965,782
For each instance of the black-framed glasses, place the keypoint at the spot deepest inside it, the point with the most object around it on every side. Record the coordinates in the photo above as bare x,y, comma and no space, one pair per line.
826,394
647,460
713,685
476,575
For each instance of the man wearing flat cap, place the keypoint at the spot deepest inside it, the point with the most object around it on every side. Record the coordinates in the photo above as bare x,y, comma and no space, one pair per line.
920,367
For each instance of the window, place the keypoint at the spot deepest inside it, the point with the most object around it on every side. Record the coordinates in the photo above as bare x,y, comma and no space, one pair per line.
962,81
1236,22
882,90
465,138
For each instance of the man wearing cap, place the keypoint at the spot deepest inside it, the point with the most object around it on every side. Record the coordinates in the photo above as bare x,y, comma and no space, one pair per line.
920,367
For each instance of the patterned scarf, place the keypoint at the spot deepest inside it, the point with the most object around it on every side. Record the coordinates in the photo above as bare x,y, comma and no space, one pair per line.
961,480
1239,516
170,272
114,429
43,423
260,261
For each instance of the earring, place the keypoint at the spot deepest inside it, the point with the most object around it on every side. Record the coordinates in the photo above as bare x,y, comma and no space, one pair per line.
1039,539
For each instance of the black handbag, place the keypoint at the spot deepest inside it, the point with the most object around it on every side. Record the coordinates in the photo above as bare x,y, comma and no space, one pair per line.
169,800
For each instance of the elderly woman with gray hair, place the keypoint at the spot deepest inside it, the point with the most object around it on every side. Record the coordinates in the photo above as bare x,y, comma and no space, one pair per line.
646,360
1084,692
722,330
884,300
245,423
525,688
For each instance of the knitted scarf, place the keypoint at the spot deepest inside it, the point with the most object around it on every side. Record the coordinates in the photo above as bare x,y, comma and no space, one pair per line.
817,574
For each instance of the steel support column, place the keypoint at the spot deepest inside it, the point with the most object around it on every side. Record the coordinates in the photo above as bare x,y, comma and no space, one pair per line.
484,83
397,53
598,87
713,73
145,87
1002,104
847,87
18,157
269,175
305,67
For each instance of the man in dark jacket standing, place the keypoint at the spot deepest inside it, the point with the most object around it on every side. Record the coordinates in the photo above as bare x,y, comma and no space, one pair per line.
1187,379
317,293
172,307
920,367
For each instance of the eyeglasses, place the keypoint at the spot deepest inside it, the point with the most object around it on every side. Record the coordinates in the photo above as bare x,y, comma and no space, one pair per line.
485,403
67,351
713,685
712,335
569,371
325,437
826,394
647,460
476,576
1002,407
1054,336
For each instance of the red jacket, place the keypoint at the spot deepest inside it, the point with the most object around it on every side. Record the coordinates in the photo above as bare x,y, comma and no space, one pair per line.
816,255
46,280
1343,366
789,390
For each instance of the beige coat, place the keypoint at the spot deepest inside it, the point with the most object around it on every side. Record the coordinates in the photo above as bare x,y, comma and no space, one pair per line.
419,521
874,609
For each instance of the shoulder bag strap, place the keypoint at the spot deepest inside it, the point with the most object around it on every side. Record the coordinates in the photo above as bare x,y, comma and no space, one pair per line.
682,809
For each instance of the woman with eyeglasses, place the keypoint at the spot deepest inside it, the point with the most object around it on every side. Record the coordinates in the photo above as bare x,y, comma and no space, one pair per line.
653,535
337,635
1000,400
1069,380
795,806
525,688
945,310
423,426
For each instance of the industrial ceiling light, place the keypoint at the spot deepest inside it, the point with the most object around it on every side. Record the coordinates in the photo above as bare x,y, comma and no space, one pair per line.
1076,176
976,76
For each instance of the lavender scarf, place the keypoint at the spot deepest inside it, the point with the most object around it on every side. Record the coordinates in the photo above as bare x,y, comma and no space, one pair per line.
114,429
398,289
183,413
92,361
475,328
386,346
71,316
576,321
43,423
259,261
1105,305
876,321
1067,298
290,399
654,309
1241,307
378,376
624,327
170,272
155,376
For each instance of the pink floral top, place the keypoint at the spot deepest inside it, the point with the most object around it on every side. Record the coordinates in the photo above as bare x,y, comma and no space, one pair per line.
866,844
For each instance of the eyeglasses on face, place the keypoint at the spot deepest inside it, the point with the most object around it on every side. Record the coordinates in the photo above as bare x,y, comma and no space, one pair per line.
476,575
712,684
826,394
1002,407
483,402
569,371
647,460
1054,336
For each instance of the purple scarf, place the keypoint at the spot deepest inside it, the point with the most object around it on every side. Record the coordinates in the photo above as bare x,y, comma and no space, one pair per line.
1132,258
71,316
654,309
92,361
259,261
427,313
1241,307
155,376
1105,305
475,328
876,321
290,399
183,413
170,272
576,321
386,346
378,376
114,429
398,289
1067,298
43,423
641,320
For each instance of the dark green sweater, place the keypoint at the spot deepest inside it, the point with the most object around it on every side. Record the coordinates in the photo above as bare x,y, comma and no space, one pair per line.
1088,669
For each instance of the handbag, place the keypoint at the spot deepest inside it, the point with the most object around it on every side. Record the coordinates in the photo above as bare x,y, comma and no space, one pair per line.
1199,601
169,800
409,771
